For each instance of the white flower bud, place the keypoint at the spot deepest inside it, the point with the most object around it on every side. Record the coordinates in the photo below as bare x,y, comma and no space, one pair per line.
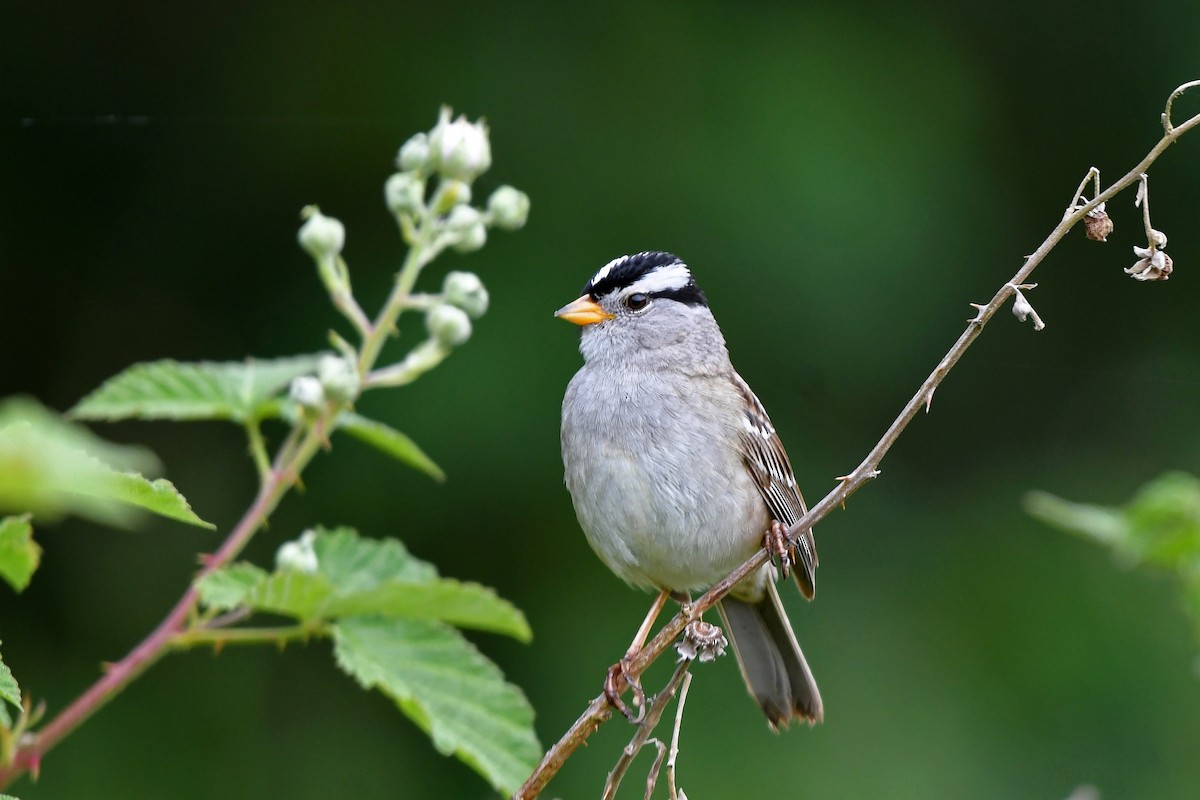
465,290
462,218
404,193
459,149
321,236
449,325
298,555
509,208
414,154
450,193
338,377
472,239
307,392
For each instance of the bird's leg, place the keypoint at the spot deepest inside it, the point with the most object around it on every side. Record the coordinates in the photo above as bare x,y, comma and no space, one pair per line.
778,547
620,670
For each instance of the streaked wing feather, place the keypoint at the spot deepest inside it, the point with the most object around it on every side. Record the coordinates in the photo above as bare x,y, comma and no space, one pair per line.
768,463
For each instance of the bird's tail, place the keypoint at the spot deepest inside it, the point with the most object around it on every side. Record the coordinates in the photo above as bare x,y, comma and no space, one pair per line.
770,658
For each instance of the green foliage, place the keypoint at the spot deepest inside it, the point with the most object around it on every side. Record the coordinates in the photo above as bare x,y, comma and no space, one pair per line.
390,441
51,468
236,390
19,554
363,577
447,688
391,618
9,693
394,619
1159,527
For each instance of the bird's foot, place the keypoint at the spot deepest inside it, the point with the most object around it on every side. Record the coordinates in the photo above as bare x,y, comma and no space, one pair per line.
779,548
620,672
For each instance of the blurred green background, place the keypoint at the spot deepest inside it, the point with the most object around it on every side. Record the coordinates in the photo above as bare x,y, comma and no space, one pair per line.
842,177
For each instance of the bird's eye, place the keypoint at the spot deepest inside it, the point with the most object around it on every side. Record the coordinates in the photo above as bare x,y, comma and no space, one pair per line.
636,301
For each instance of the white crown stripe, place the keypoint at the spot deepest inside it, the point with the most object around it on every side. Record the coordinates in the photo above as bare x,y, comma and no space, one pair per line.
602,273
663,279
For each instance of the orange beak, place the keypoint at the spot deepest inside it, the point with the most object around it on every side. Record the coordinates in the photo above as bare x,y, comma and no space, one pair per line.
584,311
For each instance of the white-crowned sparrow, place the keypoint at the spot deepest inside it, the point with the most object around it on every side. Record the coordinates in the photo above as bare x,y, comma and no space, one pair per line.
674,468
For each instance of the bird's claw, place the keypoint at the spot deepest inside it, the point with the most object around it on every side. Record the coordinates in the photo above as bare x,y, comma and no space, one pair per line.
779,548
620,671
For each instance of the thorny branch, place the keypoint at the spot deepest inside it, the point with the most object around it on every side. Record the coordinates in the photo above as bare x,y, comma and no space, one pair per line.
598,711
654,712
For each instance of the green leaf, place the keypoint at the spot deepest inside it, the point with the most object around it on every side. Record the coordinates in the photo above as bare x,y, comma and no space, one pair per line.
361,577
353,562
53,468
159,496
232,390
9,692
19,554
441,682
228,588
390,441
1159,526
466,605
1102,525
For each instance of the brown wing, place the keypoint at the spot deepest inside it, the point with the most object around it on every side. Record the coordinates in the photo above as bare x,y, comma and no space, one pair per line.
768,463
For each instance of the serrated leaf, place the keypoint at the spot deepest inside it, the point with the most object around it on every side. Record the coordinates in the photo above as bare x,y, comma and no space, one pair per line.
441,682
159,496
19,553
466,605
51,467
231,390
9,693
360,577
390,441
228,588
353,562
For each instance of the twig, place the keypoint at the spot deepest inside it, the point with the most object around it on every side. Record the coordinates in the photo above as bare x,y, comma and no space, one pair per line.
598,711
671,787
654,712
302,443
118,675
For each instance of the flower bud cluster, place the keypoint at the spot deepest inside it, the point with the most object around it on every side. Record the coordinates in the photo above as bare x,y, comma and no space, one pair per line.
430,196
453,154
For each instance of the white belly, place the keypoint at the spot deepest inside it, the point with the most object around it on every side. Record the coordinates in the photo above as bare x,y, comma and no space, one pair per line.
664,505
